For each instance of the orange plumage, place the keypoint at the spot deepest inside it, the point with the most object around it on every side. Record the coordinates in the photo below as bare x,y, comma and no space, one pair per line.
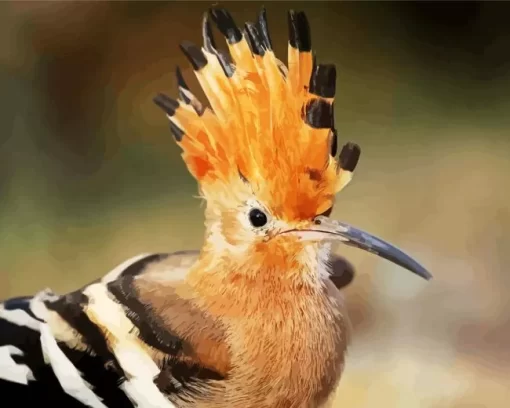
258,124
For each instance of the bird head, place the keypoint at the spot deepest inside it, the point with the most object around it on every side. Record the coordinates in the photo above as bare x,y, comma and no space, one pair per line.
265,153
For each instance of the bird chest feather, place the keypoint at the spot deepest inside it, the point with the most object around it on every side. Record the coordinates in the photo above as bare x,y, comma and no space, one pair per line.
288,352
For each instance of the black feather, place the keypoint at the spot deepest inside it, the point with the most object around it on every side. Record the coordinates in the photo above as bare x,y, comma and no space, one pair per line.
323,80
166,103
182,84
177,132
226,63
209,42
254,39
299,31
349,156
194,55
226,25
210,46
151,330
71,308
264,29
319,114
21,303
334,142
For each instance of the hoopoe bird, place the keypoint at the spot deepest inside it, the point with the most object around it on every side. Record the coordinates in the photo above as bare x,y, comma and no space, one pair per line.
255,318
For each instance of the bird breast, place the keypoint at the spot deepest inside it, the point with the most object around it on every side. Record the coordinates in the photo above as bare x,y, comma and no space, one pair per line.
292,353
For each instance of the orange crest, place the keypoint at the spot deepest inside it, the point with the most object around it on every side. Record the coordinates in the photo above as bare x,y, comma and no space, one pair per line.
270,125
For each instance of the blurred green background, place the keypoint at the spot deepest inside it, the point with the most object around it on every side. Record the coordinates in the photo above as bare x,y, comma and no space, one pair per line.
89,173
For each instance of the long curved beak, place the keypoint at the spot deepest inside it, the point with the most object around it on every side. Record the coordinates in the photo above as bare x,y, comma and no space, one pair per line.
326,228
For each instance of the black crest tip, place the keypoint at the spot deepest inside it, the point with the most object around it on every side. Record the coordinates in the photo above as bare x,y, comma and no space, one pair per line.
177,133
319,114
323,80
334,142
349,156
254,40
226,62
299,31
194,54
224,58
166,103
182,85
226,24
264,29
209,42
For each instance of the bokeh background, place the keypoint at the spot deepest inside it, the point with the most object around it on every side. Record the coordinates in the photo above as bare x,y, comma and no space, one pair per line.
89,173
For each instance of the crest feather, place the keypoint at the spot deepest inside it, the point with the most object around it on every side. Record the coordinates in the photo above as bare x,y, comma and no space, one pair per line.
271,124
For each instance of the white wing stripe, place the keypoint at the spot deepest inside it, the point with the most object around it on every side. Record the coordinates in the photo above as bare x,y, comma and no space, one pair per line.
12,371
19,317
134,360
68,376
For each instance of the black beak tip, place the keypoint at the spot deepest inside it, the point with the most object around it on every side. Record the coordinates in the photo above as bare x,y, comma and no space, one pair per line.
426,274
413,266
417,269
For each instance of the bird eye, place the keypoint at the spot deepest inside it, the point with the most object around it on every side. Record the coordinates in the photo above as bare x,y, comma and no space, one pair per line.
257,218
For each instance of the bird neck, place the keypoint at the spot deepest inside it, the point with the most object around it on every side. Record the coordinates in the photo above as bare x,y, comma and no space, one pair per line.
258,282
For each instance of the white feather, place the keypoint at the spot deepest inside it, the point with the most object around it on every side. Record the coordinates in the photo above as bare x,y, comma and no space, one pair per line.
67,374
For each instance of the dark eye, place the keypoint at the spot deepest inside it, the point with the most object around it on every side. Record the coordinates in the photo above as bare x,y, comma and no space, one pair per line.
257,218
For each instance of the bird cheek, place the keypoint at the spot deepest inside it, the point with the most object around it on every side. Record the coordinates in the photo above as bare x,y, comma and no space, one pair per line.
232,229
